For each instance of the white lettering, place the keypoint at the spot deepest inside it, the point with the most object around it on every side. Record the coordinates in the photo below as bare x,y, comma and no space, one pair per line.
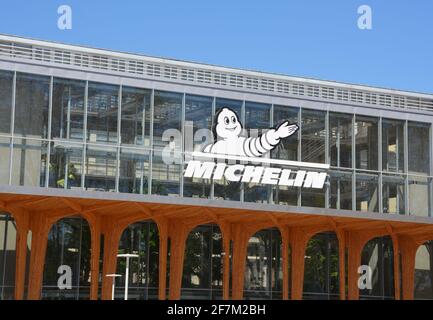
198,169
315,180
252,174
271,175
230,173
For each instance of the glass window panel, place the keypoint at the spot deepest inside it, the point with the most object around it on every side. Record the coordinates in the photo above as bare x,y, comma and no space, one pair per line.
286,150
135,123
340,190
321,276
224,189
68,245
5,149
166,173
311,197
101,168
392,145
68,109
6,86
102,110
198,116
379,256
29,162
140,238
134,170
8,235
419,147
393,194
366,143
263,269
340,139
257,121
419,190
31,106
424,271
66,165
367,192
202,268
313,136
167,115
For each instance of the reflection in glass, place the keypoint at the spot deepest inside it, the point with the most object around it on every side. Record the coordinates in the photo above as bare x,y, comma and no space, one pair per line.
224,189
367,192
31,106
8,234
341,190
424,271
366,143
392,145
101,168
419,190
69,246
102,109
203,265
198,125
29,162
419,147
393,194
140,238
134,170
321,275
263,269
378,254
6,84
68,109
66,165
135,119
167,115
313,136
5,149
340,139
257,121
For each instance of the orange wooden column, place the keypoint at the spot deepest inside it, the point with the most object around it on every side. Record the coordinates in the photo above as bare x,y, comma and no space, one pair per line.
298,240
355,246
20,261
22,223
285,237
342,262
240,244
408,248
112,235
178,234
39,226
163,243
95,249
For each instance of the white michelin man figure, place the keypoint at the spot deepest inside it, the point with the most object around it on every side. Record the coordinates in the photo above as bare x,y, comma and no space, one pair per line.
228,129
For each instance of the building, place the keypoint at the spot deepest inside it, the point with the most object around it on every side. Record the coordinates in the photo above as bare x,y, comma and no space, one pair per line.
94,146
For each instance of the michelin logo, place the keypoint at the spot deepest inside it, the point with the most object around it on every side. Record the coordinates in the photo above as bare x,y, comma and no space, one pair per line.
228,129
230,144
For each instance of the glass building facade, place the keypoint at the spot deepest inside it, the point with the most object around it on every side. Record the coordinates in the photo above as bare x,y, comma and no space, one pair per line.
70,134
121,131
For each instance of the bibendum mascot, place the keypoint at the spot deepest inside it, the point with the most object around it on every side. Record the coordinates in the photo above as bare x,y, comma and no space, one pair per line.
229,141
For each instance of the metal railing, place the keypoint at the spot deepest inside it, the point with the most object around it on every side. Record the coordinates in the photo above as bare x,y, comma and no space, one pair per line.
206,75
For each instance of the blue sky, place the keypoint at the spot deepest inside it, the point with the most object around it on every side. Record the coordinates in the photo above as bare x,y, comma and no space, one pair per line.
310,38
